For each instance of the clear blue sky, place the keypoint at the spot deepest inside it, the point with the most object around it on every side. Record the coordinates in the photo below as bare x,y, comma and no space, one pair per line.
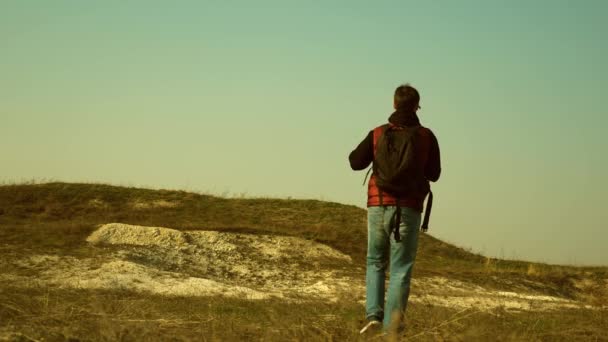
267,98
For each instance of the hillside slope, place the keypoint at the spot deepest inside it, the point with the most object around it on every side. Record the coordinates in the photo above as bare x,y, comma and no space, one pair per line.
62,237
69,212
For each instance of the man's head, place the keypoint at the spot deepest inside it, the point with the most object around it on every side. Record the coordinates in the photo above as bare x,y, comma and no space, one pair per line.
406,98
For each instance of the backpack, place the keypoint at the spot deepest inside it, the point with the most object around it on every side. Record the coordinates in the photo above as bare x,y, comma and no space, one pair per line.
396,166
398,170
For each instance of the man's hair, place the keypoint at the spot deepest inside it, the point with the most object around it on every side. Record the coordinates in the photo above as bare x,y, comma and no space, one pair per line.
406,98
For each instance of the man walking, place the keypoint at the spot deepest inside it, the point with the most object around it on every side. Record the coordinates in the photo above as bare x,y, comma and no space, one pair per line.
405,157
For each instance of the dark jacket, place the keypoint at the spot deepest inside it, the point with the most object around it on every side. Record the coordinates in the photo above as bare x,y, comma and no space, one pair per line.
363,155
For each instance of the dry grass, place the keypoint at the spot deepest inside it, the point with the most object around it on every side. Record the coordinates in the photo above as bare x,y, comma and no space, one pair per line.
57,217
59,315
124,316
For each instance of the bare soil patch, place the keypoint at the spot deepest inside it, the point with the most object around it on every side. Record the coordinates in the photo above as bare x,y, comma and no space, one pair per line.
169,262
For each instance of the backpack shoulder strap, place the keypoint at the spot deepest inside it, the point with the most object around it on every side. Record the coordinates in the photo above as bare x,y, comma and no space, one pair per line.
378,131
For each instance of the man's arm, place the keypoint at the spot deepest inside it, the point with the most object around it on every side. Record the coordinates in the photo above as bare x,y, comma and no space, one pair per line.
433,163
363,155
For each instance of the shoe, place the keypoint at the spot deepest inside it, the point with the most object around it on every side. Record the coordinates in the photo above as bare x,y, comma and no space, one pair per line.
371,327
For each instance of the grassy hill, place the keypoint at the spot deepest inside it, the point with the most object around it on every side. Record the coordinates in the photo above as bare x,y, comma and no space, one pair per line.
56,218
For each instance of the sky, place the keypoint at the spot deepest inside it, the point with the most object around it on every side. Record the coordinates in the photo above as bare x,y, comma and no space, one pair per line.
268,98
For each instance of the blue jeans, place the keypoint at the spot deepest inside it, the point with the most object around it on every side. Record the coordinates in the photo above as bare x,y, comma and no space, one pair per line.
380,244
